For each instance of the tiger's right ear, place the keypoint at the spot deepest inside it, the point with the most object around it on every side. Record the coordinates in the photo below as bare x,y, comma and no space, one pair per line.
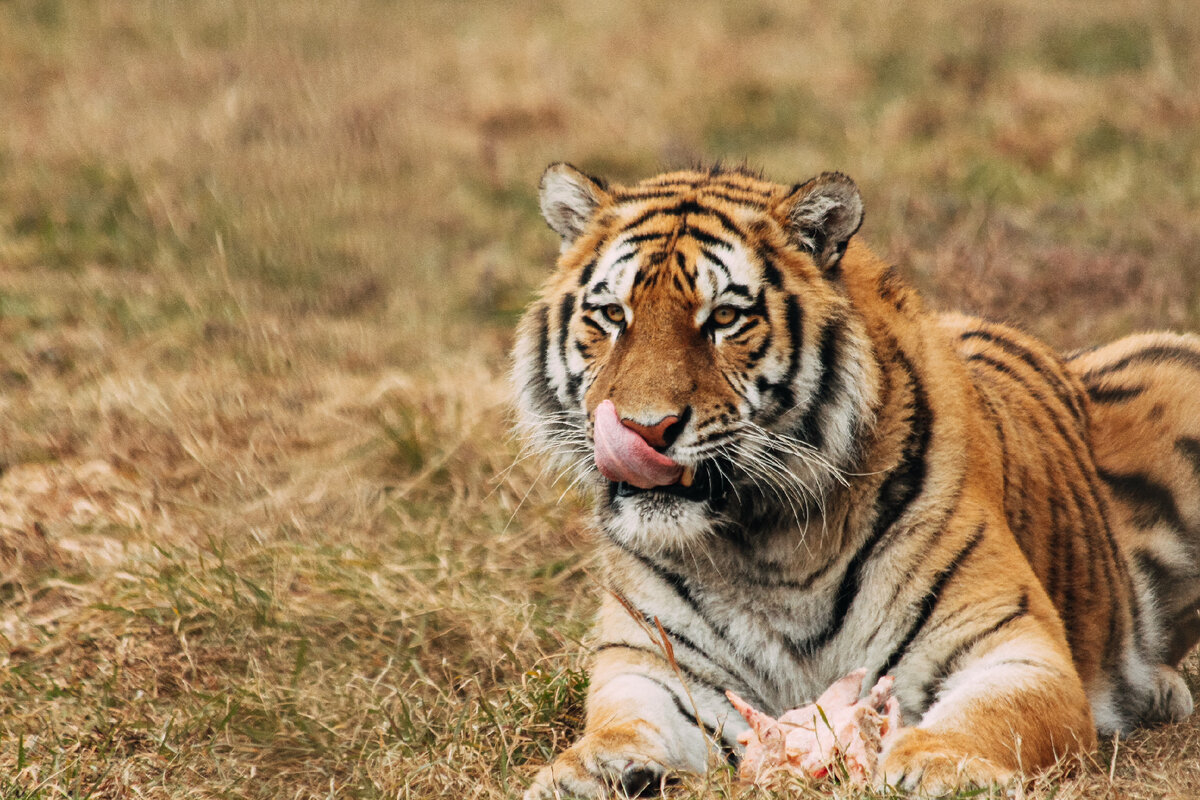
569,198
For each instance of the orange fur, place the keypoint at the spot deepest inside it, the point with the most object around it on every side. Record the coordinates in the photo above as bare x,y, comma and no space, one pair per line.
932,495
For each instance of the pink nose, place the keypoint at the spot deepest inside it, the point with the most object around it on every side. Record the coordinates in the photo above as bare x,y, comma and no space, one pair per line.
656,434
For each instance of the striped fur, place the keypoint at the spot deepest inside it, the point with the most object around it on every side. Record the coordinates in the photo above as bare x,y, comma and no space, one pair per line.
1011,535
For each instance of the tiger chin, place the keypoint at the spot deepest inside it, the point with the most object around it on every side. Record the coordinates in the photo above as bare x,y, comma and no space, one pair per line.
800,471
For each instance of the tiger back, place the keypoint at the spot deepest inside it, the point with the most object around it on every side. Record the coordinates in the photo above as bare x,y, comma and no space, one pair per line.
800,472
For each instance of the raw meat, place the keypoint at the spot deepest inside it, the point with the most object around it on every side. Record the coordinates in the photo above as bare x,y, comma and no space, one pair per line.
813,740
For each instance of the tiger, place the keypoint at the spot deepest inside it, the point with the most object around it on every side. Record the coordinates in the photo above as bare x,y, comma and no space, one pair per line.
800,471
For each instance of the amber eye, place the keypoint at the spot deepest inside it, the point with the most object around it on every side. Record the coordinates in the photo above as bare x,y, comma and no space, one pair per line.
724,316
614,313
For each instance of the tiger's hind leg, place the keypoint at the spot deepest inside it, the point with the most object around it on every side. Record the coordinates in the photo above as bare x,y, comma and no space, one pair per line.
1145,431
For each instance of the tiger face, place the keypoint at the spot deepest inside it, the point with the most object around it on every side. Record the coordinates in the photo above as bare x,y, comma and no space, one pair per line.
682,357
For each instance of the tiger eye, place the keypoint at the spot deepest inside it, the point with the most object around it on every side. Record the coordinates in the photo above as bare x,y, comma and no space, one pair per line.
724,315
614,313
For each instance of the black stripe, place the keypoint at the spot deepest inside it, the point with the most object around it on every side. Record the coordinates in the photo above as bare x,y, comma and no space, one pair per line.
681,640
1002,440
716,261
678,584
1074,354
719,266
743,197
1061,389
1095,518
1150,501
1111,395
809,427
565,308
1131,704
681,262
946,668
784,394
1064,535
691,716
692,676
657,257
706,238
770,271
747,327
1157,354
675,185
906,481
1156,573
757,353
591,322
585,274
1056,587
683,209
738,199
1026,662
544,397
642,219
929,601
688,643
1189,448
899,489
759,307
729,751
637,238
662,190
689,276
661,181
740,290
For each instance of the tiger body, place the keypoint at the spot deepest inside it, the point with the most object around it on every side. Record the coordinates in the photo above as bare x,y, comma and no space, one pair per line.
861,483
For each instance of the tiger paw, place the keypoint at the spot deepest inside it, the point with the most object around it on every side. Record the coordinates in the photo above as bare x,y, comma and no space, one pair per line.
1173,698
928,765
598,766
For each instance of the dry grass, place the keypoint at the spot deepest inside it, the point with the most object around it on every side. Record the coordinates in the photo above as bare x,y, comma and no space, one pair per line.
262,531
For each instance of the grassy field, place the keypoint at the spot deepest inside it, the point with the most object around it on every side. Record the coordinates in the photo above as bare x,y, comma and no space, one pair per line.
263,530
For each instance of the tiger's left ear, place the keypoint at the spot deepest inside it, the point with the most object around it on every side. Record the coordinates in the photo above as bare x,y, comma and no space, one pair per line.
820,217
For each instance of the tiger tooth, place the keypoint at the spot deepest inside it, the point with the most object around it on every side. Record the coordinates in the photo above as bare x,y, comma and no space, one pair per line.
688,476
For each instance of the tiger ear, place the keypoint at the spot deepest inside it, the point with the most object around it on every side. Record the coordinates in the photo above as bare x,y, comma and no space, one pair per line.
820,217
569,198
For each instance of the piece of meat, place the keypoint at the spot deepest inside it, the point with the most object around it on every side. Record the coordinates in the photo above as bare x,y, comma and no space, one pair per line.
838,731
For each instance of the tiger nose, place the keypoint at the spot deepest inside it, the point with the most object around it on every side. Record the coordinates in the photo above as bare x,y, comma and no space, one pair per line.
661,434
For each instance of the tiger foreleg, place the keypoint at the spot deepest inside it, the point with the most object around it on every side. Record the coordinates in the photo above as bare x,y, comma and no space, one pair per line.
1018,709
640,728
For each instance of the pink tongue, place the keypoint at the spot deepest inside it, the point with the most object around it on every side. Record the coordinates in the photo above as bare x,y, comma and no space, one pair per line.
623,456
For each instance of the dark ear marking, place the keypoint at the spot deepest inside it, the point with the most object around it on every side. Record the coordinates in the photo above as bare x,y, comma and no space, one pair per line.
569,199
821,215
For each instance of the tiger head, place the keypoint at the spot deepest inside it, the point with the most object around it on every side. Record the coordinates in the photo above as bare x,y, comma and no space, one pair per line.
695,354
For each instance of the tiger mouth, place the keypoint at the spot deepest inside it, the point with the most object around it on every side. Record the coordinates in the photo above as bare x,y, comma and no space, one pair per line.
707,484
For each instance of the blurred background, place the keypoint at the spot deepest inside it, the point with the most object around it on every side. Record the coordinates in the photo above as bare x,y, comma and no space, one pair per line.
263,529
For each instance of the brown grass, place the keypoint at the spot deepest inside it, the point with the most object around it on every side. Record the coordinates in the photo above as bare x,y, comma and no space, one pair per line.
263,532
